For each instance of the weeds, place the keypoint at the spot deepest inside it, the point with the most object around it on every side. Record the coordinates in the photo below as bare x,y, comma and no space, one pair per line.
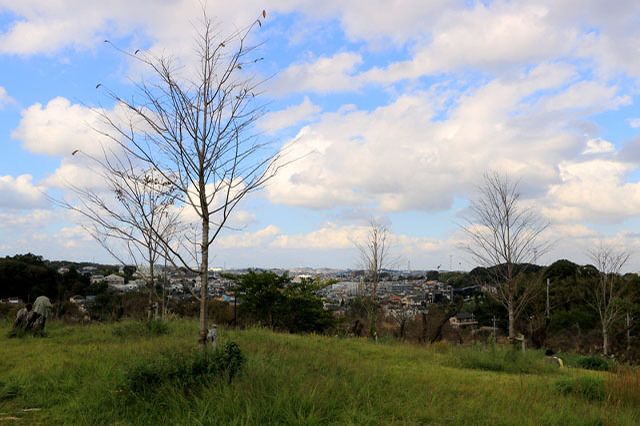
8,391
183,370
588,387
155,327
623,387
499,358
91,375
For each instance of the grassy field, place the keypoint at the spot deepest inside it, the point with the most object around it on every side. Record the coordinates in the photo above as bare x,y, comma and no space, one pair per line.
76,374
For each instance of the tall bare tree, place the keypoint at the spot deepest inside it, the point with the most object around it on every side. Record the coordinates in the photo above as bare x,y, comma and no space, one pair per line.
505,235
196,128
606,293
374,257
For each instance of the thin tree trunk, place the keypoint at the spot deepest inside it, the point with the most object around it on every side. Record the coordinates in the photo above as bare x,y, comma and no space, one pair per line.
204,283
150,301
512,320
605,340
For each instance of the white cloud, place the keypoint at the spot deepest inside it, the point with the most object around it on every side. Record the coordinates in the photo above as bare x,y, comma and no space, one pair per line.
634,122
594,190
248,239
5,99
60,128
322,75
287,117
72,172
20,193
27,220
400,157
47,27
585,95
598,146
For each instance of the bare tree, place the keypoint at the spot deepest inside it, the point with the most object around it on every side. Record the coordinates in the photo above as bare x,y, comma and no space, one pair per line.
505,236
605,295
374,257
197,130
128,218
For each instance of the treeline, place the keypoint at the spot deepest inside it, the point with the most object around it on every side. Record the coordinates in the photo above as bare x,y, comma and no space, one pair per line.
562,316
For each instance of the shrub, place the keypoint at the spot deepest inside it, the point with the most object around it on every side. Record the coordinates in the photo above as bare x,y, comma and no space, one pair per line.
594,363
591,388
184,369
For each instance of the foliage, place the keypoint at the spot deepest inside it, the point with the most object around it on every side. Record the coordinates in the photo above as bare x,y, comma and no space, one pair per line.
26,276
278,302
594,362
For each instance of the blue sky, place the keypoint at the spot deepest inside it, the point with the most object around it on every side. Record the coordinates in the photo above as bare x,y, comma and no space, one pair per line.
398,108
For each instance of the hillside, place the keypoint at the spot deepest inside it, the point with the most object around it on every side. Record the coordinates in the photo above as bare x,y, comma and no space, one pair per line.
75,375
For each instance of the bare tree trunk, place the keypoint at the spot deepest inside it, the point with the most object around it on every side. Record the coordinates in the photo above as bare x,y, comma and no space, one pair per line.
605,340
512,320
204,284
150,285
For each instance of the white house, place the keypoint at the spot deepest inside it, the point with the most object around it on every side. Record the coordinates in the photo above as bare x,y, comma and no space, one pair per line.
114,279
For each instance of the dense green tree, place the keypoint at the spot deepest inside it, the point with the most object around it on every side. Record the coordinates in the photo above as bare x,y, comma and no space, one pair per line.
276,301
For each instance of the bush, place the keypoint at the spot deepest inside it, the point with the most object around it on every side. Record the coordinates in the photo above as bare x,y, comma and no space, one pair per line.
591,388
185,369
594,363
155,327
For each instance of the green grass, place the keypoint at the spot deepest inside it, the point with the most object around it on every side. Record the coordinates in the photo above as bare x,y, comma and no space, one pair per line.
76,375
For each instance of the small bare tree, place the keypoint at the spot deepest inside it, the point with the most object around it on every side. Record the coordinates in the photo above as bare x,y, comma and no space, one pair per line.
605,295
374,257
197,130
132,218
505,236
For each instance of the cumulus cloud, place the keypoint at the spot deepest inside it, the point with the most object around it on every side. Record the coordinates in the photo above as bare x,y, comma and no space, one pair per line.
20,193
402,156
51,26
11,220
598,146
5,99
59,128
594,190
248,239
274,121
322,75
